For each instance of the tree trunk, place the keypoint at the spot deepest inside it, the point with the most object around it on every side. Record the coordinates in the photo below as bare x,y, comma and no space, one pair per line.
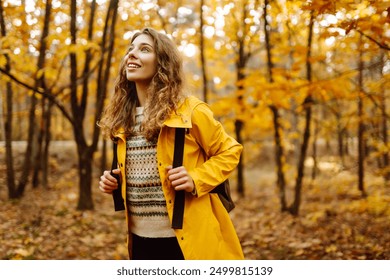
8,142
361,144
85,199
103,162
8,120
47,140
383,108
279,151
37,151
40,83
307,104
294,208
238,124
79,105
340,140
279,158
85,156
29,149
241,61
314,152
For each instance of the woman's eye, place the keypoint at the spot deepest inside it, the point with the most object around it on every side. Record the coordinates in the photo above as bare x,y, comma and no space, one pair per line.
145,49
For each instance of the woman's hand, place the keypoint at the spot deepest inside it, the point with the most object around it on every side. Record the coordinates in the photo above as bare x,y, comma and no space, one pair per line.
108,183
180,179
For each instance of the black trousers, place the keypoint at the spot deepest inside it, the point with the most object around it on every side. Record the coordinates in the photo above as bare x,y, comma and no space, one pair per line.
145,248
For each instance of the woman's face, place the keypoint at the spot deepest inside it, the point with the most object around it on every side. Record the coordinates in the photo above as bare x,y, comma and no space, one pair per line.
141,60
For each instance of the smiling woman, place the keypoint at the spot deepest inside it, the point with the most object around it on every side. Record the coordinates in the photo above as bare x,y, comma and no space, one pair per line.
141,64
147,108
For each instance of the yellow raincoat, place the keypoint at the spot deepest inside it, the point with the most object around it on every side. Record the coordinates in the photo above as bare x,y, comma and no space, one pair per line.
210,155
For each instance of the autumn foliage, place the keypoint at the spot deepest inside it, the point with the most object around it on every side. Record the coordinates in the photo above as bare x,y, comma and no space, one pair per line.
303,85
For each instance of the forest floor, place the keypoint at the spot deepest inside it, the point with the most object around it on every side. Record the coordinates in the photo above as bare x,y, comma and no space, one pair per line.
334,221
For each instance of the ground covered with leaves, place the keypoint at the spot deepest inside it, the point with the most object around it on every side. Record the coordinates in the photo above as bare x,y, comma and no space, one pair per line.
334,221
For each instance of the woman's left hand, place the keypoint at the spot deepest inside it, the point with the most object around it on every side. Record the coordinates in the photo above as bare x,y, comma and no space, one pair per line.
180,179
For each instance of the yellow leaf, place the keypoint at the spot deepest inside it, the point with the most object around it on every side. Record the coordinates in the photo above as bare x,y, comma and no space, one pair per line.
3,61
299,252
40,73
21,252
331,248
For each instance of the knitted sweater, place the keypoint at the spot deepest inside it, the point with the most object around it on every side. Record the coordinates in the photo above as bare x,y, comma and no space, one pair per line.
148,216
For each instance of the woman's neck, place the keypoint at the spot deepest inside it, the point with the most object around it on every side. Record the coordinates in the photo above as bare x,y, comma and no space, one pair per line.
142,93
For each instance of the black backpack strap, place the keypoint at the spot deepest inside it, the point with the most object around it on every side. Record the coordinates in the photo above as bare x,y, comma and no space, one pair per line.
178,207
119,203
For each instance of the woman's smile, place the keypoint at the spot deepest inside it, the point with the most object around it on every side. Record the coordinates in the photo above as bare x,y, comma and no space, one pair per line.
141,63
132,65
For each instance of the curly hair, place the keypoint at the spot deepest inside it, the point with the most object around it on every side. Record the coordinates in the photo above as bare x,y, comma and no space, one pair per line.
164,94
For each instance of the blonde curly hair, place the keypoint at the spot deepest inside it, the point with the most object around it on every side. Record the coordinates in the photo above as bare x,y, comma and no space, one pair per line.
165,92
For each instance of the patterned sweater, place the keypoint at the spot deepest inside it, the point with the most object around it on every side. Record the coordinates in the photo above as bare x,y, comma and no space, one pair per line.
148,216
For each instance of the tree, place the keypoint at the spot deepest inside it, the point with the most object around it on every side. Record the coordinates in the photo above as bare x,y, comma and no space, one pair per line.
242,31
279,151
79,105
9,113
13,190
79,102
384,125
243,54
307,104
259,73
361,140
42,157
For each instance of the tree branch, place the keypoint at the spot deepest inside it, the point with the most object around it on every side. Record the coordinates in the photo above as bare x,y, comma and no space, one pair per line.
45,94
381,45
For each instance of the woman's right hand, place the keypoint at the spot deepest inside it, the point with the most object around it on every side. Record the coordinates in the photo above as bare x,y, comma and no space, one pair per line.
108,183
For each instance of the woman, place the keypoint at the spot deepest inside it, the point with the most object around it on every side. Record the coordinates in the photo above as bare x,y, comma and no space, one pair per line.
148,104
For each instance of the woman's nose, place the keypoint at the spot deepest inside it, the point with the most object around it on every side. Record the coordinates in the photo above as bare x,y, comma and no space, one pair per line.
132,53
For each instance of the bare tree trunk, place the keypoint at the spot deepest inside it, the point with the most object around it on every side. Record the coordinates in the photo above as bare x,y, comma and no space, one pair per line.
279,151
103,162
242,59
8,119
307,104
85,151
29,149
340,139
314,152
361,144
383,108
13,190
41,162
32,126
279,158
46,144
239,125
37,151
8,140
85,198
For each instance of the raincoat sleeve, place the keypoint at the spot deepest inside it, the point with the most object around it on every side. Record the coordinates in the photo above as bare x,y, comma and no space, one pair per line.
221,151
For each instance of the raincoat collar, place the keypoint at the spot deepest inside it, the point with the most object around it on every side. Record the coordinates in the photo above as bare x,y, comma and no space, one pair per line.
182,116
